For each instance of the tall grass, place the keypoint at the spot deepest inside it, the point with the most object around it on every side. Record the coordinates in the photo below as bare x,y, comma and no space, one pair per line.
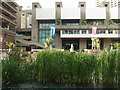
110,67
63,67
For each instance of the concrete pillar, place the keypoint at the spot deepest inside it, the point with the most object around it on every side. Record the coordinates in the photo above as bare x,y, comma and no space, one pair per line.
82,44
107,43
34,22
58,41
58,6
19,9
107,6
82,6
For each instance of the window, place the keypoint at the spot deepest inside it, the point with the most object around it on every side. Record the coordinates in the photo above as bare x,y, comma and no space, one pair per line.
43,35
70,31
101,32
76,31
82,5
23,14
84,31
58,5
35,6
110,31
106,5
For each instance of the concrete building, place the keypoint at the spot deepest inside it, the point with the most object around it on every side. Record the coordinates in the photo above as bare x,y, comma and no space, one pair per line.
73,26
70,28
24,30
113,3
8,22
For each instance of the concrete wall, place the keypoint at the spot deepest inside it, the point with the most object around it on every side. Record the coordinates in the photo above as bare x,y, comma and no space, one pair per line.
19,8
23,19
70,13
45,13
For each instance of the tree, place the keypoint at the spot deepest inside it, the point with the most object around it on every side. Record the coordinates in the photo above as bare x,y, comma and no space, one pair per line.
116,45
48,43
10,44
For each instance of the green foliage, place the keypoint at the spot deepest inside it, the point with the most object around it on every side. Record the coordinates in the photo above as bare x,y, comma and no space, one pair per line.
58,21
109,66
48,42
110,22
116,45
83,21
63,67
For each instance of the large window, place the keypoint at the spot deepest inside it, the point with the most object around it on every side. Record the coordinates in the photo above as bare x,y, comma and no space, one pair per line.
43,35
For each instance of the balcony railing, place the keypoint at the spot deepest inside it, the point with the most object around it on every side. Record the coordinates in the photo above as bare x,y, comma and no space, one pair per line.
88,34
7,11
14,9
8,19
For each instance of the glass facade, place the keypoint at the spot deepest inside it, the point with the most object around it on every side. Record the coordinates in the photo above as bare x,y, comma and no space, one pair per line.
43,35
46,25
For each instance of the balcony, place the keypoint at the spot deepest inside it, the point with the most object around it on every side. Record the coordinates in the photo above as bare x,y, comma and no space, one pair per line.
88,27
8,19
9,32
10,7
88,34
7,11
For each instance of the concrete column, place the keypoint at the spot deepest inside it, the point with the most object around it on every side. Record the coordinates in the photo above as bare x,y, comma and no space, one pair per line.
58,6
107,5
107,43
34,22
58,41
19,9
82,44
82,6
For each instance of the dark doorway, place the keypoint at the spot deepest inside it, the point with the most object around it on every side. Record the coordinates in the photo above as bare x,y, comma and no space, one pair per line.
101,43
89,44
66,44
